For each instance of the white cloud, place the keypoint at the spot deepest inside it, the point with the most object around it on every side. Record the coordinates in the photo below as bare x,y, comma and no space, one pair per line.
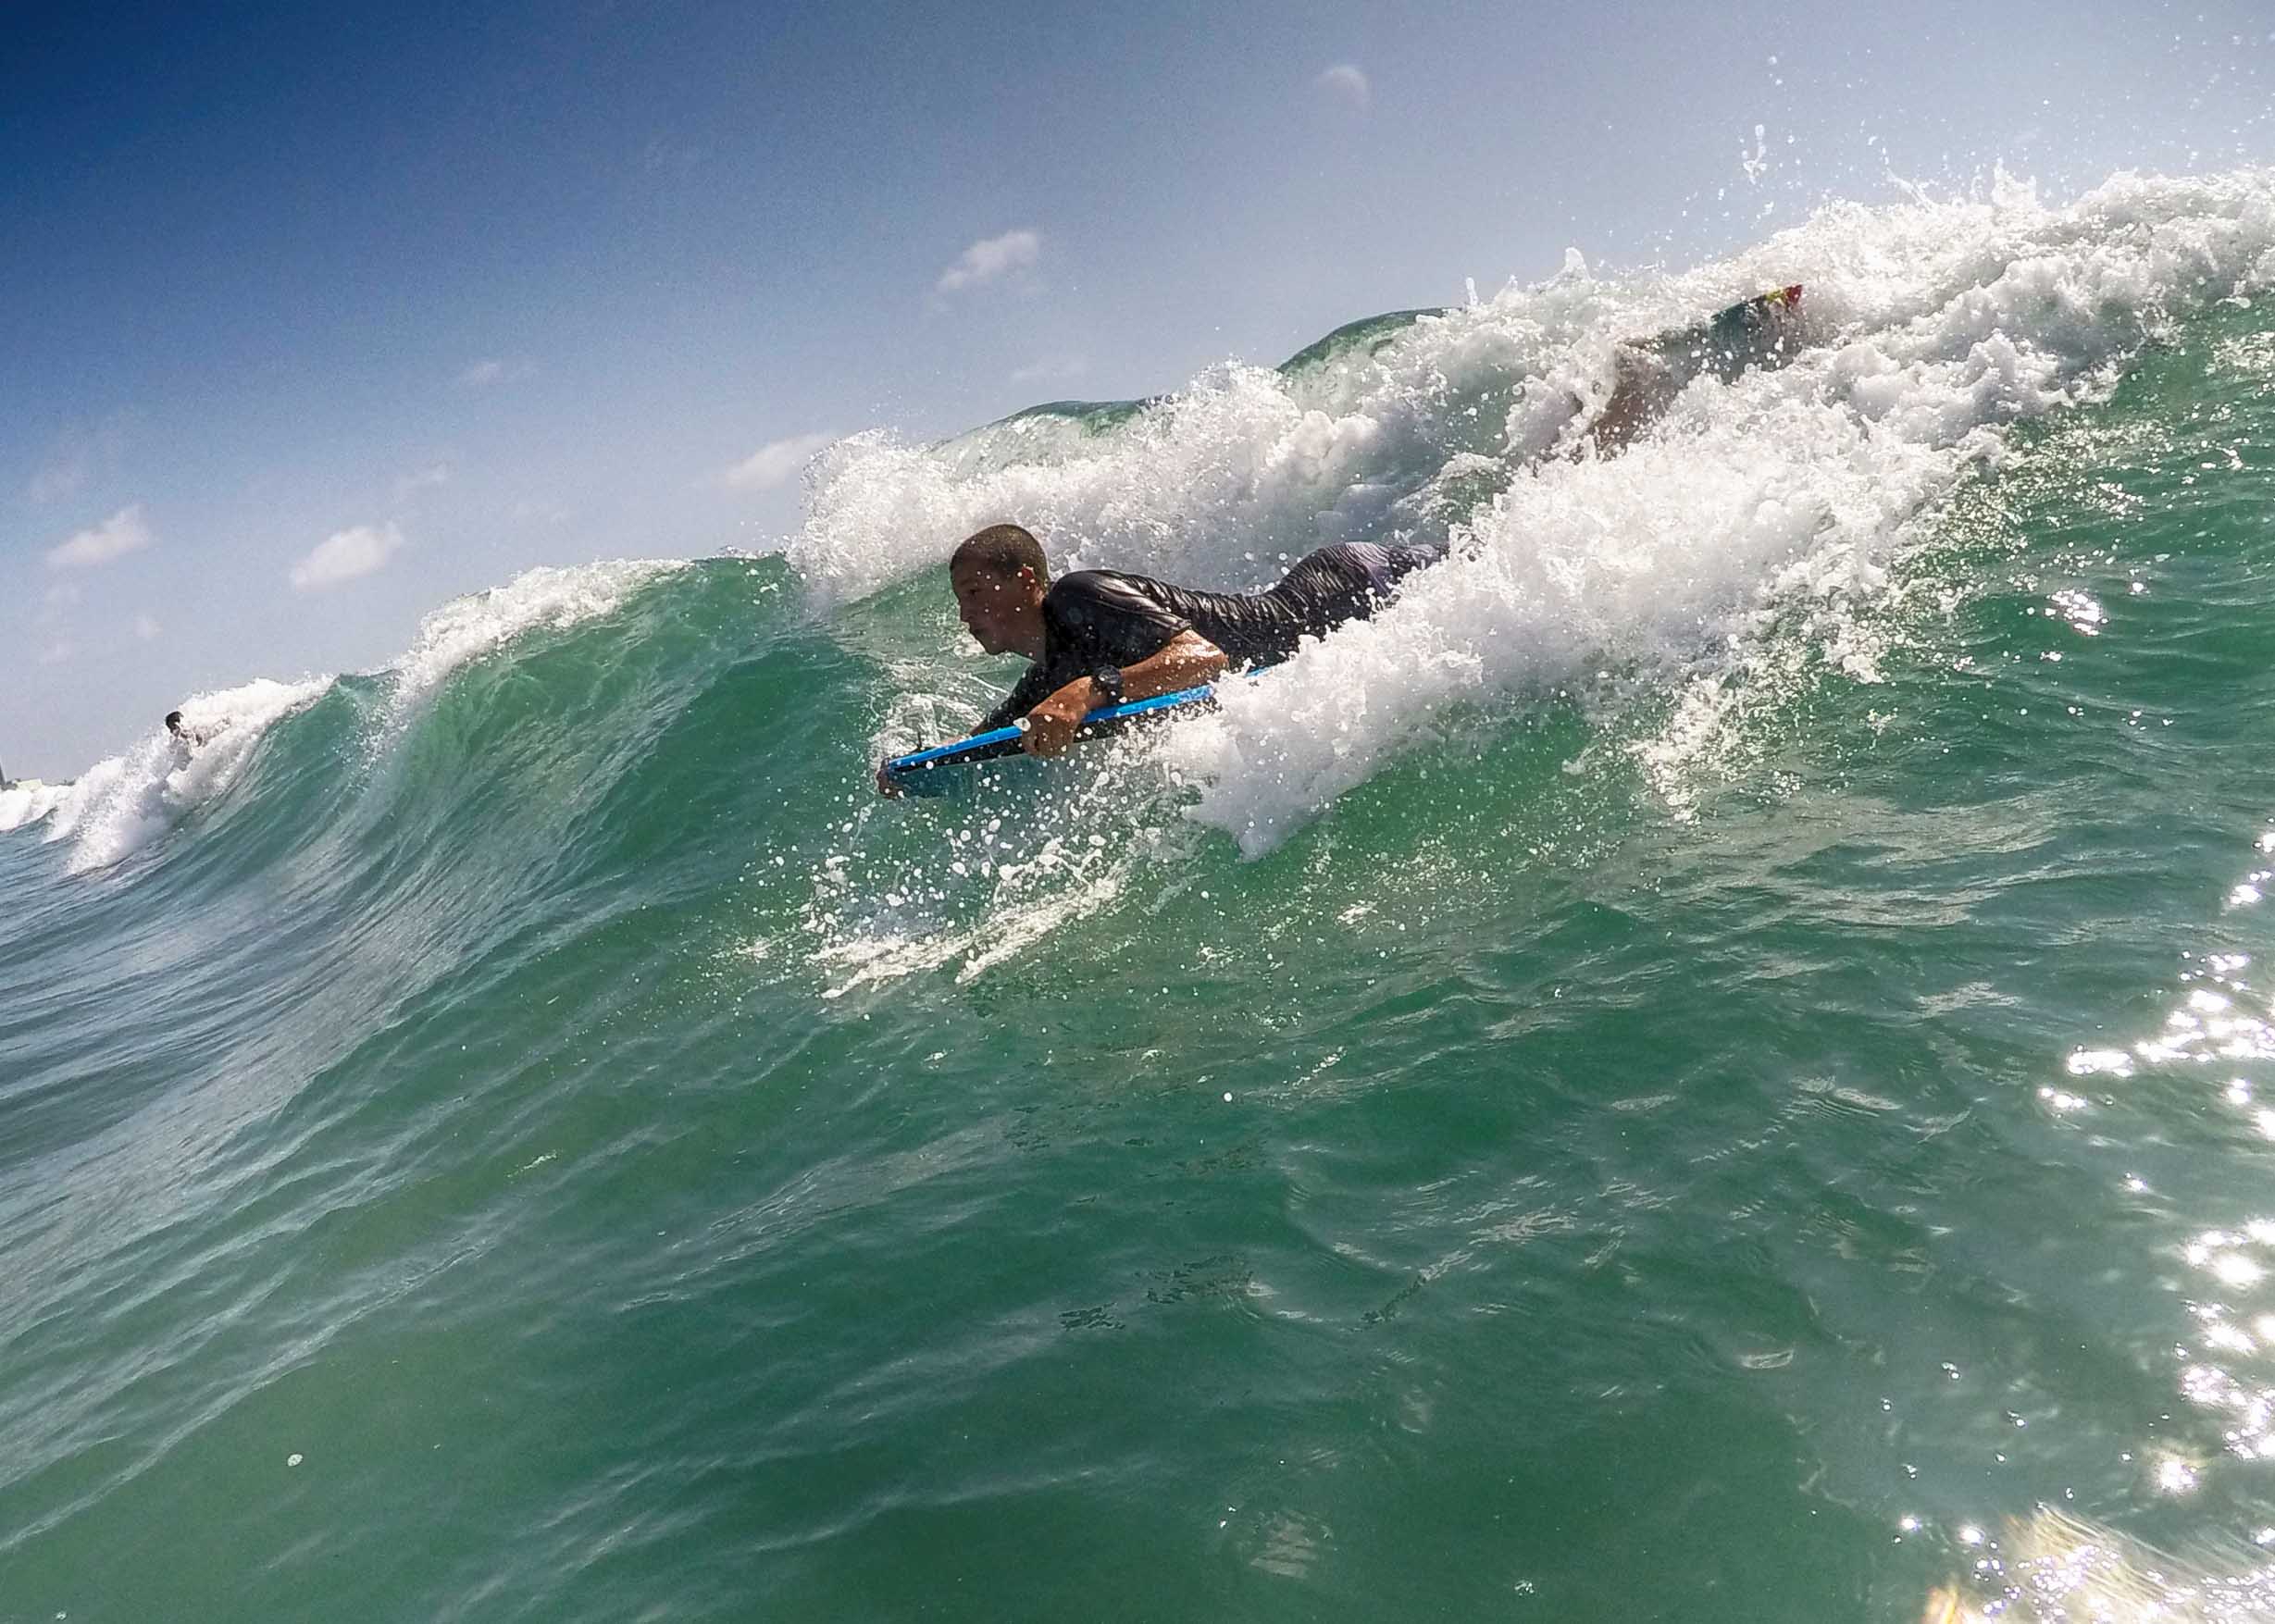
481,375
124,532
1052,366
775,463
420,479
1345,80
56,653
145,627
986,260
345,555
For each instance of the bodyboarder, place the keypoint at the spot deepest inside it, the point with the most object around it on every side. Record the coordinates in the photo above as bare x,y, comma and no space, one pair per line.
1101,636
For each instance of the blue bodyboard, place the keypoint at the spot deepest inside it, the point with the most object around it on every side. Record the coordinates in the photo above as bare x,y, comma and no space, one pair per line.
914,772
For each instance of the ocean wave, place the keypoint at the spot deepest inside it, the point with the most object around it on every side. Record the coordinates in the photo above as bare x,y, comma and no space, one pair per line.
125,801
1781,500
466,629
27,800
1929,329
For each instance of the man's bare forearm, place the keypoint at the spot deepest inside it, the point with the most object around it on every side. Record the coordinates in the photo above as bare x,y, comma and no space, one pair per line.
1187,660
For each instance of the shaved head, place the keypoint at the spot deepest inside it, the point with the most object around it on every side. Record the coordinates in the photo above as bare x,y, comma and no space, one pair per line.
1003,551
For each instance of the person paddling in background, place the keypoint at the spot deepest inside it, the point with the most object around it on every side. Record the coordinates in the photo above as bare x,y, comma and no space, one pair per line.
1099,637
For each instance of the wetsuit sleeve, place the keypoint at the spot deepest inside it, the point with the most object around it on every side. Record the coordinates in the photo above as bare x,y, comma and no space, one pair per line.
1090,618
1097,617
1030,691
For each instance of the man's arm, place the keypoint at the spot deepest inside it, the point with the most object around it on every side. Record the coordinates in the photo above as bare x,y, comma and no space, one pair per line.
1097,617
1030,690
1024,693
1186,660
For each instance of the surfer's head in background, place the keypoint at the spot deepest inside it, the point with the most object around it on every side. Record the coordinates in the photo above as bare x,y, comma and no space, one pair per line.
173,723
999,577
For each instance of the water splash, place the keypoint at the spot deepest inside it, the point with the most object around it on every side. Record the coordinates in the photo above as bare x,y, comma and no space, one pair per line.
1774,508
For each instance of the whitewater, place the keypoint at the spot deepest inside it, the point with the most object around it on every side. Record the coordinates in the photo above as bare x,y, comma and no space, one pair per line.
1704,1062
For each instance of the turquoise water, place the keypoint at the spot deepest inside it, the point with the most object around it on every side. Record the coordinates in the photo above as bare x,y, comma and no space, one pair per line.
1729,1109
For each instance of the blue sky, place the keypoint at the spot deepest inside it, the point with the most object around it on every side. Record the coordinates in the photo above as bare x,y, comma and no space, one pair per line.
319,315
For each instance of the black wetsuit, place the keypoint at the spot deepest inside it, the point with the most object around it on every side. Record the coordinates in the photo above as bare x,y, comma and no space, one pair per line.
1097,617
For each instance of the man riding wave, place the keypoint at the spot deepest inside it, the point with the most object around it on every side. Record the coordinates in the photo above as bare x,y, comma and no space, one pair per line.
1101,636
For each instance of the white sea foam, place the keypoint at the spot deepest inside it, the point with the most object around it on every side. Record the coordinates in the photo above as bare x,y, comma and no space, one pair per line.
27,800
466,629
121,804
977,888
1781,501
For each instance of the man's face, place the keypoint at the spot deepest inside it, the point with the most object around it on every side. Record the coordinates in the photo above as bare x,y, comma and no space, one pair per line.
996,609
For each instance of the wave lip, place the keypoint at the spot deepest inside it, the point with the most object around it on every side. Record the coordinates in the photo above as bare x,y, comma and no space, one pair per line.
466,629
27,800
123,803
1783,498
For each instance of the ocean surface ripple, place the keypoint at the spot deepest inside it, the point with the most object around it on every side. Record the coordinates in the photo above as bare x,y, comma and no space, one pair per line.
1713,1062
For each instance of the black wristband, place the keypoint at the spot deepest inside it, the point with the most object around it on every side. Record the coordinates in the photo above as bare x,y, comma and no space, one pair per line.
1107,680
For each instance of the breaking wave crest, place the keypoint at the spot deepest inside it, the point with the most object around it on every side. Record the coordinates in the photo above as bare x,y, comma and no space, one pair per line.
124,803
1777,505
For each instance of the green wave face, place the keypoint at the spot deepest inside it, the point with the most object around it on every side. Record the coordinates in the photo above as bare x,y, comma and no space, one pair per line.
1361,338
1709,1063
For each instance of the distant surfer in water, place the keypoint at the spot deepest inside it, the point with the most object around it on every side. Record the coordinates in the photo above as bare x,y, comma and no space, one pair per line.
193,737
1099,637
